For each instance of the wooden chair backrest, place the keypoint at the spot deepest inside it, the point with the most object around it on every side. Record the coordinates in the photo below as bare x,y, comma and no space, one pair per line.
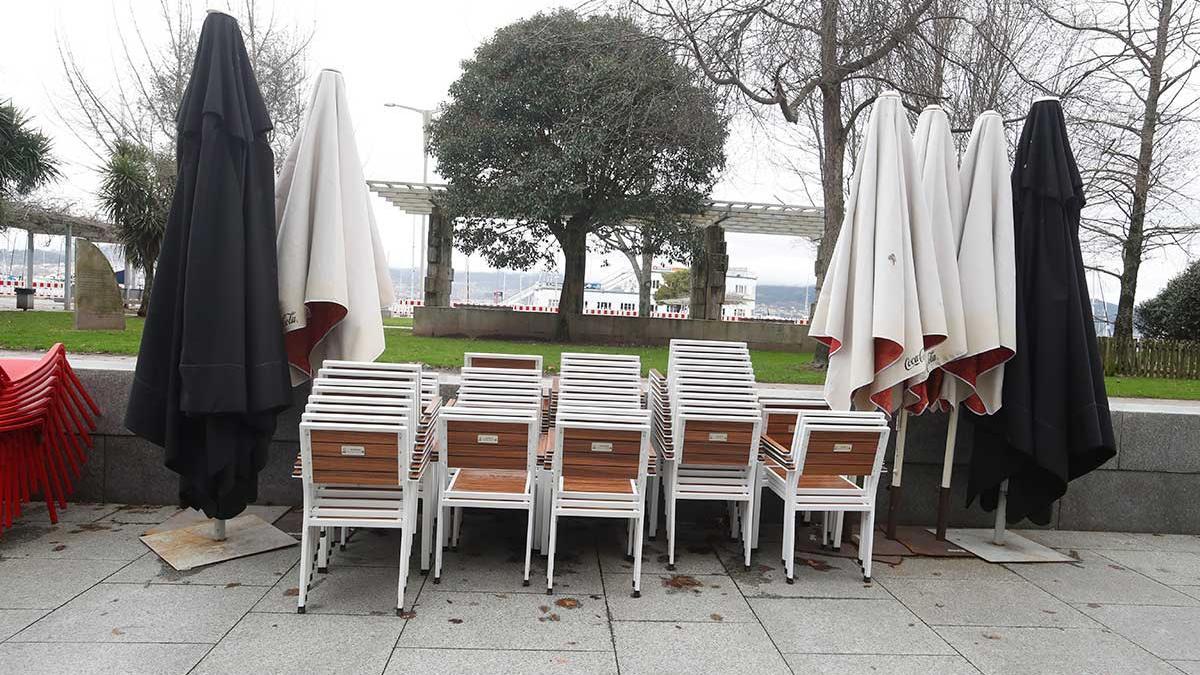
601,442
831,443
717,442
506,361
481,441
355,457
781,416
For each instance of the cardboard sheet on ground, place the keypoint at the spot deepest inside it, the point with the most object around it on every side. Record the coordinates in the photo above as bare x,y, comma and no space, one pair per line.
192,516
1016,549
193,545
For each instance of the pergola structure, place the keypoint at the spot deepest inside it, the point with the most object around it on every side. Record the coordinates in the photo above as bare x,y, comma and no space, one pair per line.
708,271
35,219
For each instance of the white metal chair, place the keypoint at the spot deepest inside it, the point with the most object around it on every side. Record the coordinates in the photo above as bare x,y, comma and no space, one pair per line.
715,424
780,412
816,473
360,468
601,450
489,440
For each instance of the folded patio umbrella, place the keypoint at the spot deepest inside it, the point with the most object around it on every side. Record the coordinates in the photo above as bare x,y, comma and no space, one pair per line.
986,268
1054,425
333,272
938,162
212,373
46,420
880,306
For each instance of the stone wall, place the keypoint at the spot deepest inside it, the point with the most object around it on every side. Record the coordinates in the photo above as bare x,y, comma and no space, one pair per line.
1151,485
587,328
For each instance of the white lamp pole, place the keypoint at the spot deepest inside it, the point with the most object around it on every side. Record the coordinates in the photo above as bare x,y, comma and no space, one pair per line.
426,118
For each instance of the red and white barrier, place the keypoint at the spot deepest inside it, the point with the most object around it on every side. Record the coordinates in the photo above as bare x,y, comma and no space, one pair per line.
43,289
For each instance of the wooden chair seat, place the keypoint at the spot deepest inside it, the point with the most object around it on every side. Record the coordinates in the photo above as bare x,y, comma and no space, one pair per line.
610,485
489,480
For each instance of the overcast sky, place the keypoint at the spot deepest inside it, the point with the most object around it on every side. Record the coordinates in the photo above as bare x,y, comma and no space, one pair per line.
404,52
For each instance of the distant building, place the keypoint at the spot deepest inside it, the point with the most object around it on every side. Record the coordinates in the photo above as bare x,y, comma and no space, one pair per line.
618,295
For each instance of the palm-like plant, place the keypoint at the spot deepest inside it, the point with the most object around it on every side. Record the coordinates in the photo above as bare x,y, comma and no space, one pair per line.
26,162
135,195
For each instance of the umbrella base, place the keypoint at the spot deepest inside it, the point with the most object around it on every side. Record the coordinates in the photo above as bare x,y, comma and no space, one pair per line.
193,546
1014,549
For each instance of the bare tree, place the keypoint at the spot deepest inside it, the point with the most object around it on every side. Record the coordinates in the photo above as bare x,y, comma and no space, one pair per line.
1135,126
641,243
153,71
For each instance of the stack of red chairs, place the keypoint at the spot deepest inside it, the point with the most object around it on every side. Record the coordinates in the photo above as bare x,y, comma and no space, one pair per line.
46,420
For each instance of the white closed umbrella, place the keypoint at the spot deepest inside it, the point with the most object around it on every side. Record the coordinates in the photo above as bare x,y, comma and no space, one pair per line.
880,306
937,160
333,272
987,276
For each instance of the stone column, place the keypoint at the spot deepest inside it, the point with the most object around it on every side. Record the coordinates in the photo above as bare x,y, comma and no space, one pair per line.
439,274
29,259
709,265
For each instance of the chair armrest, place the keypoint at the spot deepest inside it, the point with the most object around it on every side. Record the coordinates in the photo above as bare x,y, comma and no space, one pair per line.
776,451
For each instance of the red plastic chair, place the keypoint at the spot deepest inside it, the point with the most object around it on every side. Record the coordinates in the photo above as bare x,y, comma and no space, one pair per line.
46,420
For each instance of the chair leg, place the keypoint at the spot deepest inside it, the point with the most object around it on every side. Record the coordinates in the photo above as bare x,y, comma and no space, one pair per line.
550,555
732,509
529,539
428,506
345,534
789,541
671,530
839,520
869,527
437,550
747,528
653,485
457,527
323,550
756,516
406,541
637,555
307,552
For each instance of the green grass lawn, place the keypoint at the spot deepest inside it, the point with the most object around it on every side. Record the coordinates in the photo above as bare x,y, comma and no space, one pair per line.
40,330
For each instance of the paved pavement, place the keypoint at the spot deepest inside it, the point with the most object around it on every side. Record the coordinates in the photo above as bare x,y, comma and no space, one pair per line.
87,596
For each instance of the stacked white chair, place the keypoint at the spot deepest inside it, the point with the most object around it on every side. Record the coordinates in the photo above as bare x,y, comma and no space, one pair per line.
818,472
488,440
360,462
601,449
780,412
715,423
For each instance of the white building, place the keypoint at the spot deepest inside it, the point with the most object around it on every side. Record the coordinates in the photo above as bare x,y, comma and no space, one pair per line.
618,295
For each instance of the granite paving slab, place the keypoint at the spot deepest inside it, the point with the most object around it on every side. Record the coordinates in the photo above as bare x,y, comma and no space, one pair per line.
1189,667
893,664
1080,540
976,602
500,662
1096,579
695,648
343,590
76,541
815,577
36,583
676,597
274,643
13,621
508,621
56,658
153,613
846,626
1053,651
949,569
146,514
1166,632
1174,568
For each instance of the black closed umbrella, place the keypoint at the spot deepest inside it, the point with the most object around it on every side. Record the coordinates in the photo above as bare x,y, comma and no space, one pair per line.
212,373
1054,425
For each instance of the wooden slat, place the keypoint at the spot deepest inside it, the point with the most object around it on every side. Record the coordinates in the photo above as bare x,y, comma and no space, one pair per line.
515,363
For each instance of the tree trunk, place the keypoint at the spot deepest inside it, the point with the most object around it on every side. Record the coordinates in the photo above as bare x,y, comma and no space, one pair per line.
570,300
1134,248
144,306
832,179
646,276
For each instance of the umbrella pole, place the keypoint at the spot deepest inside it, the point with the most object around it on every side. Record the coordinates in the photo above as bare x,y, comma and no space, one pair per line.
897,474
943,515
218,530
1001,515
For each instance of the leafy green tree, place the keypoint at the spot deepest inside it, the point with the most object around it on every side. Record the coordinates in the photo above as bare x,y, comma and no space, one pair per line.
675,284
562,127
1174,313
26,159
135,193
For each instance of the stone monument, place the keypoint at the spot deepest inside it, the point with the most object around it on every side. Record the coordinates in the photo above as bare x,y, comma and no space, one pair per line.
97,297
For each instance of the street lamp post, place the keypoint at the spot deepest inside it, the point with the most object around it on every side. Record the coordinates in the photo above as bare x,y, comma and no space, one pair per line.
426,118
